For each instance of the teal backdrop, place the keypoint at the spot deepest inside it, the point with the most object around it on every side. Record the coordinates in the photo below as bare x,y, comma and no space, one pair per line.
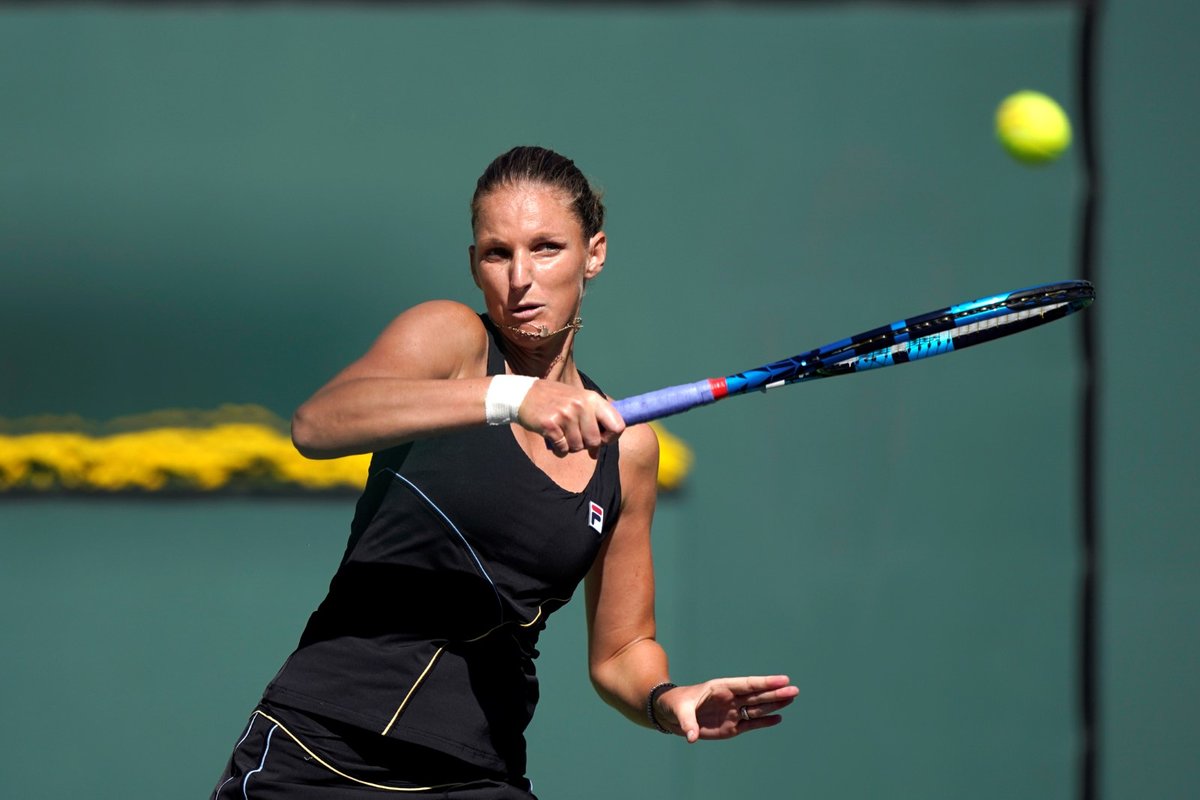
219,204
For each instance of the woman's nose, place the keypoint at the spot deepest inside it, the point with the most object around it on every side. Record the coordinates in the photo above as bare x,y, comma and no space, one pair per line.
519,274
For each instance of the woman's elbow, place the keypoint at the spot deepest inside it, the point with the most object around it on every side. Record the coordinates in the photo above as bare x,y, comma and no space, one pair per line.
602,680
305,434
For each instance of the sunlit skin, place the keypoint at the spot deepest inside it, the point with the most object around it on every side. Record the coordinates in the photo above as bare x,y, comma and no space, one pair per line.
531,262
427,374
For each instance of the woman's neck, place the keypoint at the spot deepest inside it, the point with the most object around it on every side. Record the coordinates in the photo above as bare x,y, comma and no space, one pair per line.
550,360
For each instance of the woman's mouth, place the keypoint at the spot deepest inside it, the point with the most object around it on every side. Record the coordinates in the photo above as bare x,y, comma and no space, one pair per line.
526,312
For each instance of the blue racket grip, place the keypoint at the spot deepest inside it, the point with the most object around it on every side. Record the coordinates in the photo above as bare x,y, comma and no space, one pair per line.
665,402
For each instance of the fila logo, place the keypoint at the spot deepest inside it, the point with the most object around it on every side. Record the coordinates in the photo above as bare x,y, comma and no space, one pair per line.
596,517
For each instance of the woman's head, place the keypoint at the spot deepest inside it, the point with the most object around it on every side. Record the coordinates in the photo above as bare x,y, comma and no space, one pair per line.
537,240
541,166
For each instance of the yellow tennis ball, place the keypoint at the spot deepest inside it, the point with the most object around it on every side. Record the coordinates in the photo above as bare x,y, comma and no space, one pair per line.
1032,127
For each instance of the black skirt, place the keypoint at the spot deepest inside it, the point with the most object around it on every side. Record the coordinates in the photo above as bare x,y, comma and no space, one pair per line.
285,753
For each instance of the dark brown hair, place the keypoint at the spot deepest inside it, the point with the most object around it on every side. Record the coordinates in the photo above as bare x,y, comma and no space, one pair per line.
539,165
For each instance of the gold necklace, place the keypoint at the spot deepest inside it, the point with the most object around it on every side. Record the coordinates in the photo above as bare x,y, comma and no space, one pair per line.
545,333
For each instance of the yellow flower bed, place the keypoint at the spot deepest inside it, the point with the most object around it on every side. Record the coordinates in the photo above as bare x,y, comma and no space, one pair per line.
246,456
239,456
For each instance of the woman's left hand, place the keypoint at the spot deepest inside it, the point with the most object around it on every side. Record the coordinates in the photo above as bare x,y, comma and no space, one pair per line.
725,707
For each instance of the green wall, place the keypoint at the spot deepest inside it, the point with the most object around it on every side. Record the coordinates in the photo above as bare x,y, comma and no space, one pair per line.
211,205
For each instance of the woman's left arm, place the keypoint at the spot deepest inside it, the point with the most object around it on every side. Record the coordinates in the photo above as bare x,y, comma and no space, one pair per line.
625,660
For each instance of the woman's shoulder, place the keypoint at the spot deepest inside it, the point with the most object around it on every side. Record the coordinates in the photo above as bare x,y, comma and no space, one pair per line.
441,312
439,319
639,450
440,331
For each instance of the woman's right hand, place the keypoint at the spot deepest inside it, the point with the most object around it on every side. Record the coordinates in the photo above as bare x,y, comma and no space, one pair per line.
570,418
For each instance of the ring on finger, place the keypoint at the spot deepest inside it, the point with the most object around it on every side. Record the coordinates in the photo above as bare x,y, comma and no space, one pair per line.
744,713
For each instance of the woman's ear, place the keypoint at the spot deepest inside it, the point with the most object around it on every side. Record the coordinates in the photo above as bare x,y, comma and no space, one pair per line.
597,251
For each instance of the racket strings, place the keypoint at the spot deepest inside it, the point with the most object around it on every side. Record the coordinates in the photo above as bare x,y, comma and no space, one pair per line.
953,325
940,341
1006,319
929,335
944,322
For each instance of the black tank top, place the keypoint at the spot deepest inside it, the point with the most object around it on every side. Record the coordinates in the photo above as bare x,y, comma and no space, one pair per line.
460,549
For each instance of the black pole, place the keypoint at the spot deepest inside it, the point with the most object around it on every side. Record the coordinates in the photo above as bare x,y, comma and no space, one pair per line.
1089,625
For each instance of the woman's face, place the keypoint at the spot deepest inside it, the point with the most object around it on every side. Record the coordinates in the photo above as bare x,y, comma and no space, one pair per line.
530,258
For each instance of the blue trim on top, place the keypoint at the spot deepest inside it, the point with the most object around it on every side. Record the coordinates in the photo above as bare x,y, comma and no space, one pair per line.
453,527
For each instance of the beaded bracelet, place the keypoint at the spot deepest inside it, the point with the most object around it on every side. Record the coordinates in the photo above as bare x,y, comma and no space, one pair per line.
650,698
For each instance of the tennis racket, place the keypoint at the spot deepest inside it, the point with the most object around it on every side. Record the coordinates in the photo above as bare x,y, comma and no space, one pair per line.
932,334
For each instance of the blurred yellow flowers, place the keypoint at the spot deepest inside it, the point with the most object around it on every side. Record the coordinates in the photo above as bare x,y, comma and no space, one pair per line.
210,452
243,456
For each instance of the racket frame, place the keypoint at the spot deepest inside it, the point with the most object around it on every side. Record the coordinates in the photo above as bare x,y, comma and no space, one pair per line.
910,339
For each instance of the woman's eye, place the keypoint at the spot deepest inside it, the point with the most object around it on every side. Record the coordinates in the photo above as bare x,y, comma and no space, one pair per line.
548,247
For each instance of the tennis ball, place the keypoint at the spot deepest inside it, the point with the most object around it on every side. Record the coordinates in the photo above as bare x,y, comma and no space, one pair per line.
1032,127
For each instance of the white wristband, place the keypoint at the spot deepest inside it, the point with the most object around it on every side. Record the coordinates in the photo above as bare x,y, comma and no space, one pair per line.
504,396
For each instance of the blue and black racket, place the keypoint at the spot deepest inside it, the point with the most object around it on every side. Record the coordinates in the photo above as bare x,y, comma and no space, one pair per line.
912,339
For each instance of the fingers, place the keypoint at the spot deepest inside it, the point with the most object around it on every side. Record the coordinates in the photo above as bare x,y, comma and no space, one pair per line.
571,419
727,707
758,688
611,423
761,696
758,724
754,712
782,697
753,684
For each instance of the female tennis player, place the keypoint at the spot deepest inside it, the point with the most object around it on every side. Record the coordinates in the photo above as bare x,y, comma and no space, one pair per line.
501,478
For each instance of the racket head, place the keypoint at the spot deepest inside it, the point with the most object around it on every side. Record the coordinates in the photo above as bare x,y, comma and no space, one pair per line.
934,333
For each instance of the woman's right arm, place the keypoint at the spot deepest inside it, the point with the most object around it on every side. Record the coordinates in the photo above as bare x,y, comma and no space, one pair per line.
426,374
